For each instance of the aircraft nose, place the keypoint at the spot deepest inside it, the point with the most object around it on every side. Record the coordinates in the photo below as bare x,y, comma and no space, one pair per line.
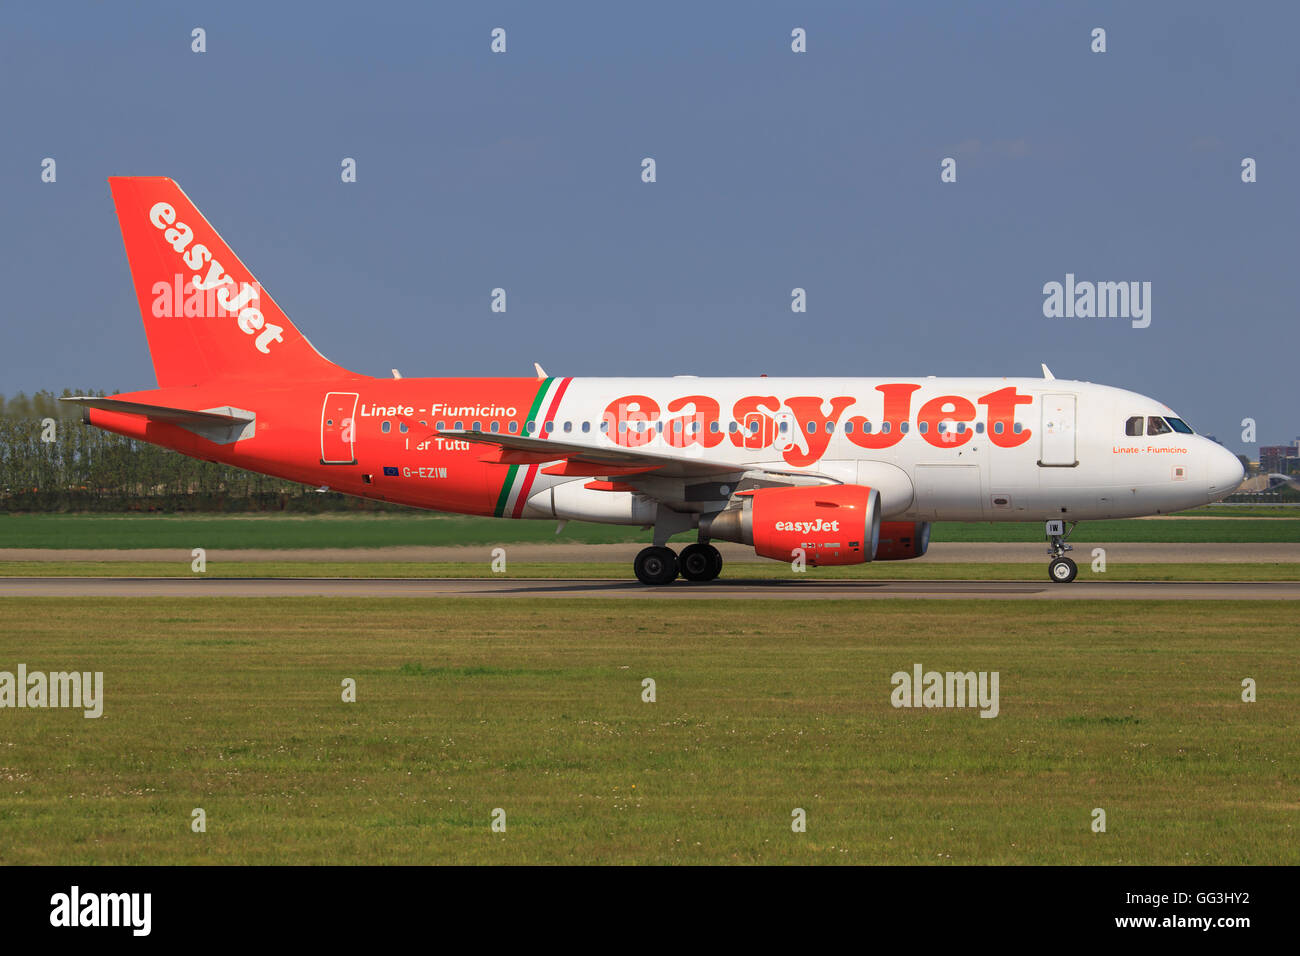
1224,471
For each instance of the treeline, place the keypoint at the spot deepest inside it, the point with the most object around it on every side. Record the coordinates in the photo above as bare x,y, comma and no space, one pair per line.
51,461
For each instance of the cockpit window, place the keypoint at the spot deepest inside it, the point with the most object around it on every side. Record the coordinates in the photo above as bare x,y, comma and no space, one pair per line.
1133,427
1180,426
1156,426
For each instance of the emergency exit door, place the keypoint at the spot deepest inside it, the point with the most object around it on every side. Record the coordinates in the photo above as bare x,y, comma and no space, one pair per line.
1058,432
338,429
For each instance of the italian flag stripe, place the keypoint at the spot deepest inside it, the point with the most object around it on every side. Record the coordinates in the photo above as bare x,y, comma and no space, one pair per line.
512,498
556,394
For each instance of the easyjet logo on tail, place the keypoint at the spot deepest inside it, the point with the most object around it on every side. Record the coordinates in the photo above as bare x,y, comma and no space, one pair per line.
197,256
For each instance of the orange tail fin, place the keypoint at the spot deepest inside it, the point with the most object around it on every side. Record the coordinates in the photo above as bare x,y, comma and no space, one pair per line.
205,315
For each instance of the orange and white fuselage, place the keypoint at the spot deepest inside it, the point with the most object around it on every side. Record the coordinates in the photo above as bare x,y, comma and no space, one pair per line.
240,384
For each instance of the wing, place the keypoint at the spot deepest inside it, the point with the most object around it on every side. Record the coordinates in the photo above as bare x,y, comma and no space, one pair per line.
582,460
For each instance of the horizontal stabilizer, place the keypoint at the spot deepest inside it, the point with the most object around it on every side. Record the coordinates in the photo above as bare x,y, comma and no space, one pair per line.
161,413
221,426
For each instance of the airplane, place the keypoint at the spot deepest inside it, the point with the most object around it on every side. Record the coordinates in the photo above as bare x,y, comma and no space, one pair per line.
827,471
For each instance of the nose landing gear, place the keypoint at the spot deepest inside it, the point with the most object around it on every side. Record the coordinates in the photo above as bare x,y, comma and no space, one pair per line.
1061,570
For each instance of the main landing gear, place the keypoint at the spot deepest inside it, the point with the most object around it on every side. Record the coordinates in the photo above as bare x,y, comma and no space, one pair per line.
659,565
1061,570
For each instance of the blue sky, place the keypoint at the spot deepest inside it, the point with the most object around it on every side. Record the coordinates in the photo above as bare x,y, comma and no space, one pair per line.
775,170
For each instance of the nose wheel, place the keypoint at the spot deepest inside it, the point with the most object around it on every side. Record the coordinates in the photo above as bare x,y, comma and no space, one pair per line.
1061,570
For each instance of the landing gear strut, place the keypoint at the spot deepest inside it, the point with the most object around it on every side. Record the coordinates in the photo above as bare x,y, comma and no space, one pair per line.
1061,570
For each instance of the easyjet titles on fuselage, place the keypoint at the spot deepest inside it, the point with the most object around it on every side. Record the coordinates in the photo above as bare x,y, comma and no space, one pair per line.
633,421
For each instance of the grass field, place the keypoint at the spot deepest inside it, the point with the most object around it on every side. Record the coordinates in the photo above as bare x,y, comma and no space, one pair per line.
766,571
387,530
464,706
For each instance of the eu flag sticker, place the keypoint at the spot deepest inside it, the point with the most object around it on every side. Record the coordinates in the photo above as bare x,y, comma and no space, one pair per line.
390,472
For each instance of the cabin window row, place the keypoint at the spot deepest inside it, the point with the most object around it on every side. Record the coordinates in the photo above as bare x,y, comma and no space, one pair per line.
732,427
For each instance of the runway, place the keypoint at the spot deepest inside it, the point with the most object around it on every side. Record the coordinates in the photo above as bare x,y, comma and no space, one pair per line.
733,554
724,589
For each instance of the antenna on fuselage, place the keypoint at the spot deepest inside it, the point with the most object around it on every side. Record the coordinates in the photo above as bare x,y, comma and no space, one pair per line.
1047,372
541,372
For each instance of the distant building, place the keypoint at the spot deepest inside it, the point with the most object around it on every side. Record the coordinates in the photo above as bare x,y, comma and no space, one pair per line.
1280,459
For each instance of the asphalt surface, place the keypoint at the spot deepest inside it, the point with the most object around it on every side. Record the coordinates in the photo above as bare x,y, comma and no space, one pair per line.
568,552
737,589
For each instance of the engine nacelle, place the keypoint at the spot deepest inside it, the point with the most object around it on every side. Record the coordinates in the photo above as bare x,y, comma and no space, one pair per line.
900,540
832,524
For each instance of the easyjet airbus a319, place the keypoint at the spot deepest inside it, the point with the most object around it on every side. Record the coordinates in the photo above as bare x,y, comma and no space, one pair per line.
830,470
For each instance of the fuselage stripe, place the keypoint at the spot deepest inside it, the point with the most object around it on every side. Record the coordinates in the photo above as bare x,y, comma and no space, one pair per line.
532,469
503,500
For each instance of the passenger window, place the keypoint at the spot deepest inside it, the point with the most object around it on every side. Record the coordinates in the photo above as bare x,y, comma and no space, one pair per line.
440,425
604,425
549,427
713,427
401,427
866,428
478,426
1133,427
998,428
530,427
387,427
848,426
732,427
1017,428
979,428
586,426
568,426
1156,425
514,427
460,426
904,427
830,428
753,428
924,427
811,428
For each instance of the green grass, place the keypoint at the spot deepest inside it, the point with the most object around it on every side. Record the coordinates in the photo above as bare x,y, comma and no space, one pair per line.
879,571
464,706
388,530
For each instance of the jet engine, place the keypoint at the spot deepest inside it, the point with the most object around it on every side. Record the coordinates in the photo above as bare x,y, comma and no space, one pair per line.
900,540
831,524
